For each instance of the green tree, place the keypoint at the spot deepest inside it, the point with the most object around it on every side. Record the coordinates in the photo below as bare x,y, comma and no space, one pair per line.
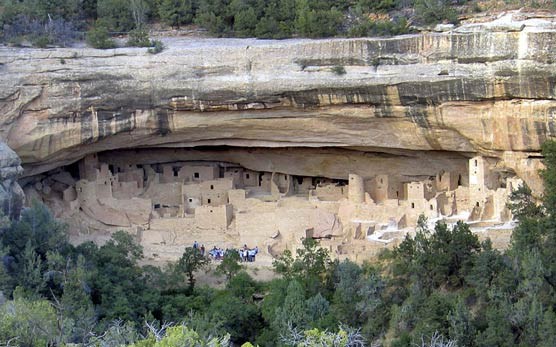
461,328
75,303
192,261
98,37
435,11
31,279
547,329
310,265
523,205
318,309
347,278
29,323
181,336
245,22
139,37
293,313
38,230
177,12
229,266
239,315
67,9
120,288
116,15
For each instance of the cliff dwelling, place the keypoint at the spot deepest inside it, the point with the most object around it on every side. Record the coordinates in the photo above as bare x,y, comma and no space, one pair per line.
259,148
169,200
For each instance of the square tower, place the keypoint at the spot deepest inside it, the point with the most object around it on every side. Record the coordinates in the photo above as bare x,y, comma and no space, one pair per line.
477,172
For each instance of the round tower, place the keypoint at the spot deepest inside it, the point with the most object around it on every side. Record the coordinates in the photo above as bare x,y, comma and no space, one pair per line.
356,190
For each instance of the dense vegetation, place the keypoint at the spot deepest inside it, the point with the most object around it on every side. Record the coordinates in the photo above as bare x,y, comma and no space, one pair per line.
58,22
441,287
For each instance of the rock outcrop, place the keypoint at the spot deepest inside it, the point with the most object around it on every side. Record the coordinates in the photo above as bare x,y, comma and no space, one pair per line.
11,194
434,123
448,95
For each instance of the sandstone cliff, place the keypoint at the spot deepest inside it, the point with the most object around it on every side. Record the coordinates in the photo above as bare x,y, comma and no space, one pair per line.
11,194
409,105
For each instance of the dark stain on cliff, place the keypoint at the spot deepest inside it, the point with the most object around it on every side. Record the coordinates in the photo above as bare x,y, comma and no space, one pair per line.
418,116
114,122
371,95
163,123
86,127
541,131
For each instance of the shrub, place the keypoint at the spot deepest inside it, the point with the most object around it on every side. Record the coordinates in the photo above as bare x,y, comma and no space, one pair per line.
138,38
116,14
40,41
366,27
98,37
156,47
41,33
339,70
435,11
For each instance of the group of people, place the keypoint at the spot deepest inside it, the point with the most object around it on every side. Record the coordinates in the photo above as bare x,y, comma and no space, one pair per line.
246,254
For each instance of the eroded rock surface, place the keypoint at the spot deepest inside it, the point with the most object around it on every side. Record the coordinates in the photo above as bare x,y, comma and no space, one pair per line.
411,108
487,92
11,194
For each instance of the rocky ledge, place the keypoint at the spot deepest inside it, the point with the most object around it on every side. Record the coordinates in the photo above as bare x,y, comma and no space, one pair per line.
410,104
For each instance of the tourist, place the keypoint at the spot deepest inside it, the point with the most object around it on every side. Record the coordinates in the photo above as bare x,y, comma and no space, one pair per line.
195,245
252,253
202,250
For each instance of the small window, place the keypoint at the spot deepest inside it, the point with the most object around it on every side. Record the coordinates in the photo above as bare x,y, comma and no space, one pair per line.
477,204
210,211
476,163
431,208
208,201
412,205
247,176
381,181
176,171
156,205
196,175
211,186
190,200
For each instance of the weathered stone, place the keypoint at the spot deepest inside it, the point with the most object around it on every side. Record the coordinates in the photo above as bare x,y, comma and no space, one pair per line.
489,93
11,194
404,119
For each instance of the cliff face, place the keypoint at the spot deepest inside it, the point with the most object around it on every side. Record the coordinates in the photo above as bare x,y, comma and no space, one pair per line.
11,194
408,105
